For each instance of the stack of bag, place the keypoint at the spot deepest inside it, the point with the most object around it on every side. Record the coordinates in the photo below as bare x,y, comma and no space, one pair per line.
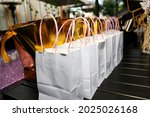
73,56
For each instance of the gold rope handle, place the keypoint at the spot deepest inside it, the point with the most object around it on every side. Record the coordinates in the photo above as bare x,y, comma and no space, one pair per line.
146,43
6,37
135,19
132,10
141,20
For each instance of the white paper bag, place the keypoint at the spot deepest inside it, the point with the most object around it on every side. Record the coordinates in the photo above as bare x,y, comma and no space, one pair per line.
89,69
108,39
101,52
109,67
119,38
58,70
89,58
114,49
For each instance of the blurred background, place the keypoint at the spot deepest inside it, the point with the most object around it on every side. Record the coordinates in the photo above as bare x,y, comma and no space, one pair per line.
18,11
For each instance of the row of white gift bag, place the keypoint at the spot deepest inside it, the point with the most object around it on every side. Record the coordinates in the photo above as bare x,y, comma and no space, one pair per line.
74,70
106,55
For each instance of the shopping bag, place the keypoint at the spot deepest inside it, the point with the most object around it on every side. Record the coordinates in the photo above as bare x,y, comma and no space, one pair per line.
119,40
101,52
108,40
90,79
89,59
58,70
114,29
101,48
112,44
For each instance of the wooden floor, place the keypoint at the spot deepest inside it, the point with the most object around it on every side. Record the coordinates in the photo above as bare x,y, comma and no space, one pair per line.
130,80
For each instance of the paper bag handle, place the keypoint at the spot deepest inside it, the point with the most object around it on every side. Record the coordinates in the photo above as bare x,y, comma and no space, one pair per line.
93,25
85,22
40,32
117,22
109,24
112,22
105,23
99,22
68,29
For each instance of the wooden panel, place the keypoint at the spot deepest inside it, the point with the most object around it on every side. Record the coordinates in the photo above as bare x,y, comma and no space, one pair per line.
132,72
125,89
131,80
138,61
145,56
134,66
105,95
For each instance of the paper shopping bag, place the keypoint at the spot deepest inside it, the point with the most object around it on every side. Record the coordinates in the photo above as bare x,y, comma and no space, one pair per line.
90,61
108,40
111,44
101,47
116,42
58,70
101,52
109,68
89,69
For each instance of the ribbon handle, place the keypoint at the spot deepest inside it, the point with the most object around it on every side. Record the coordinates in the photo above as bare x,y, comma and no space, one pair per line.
5,38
